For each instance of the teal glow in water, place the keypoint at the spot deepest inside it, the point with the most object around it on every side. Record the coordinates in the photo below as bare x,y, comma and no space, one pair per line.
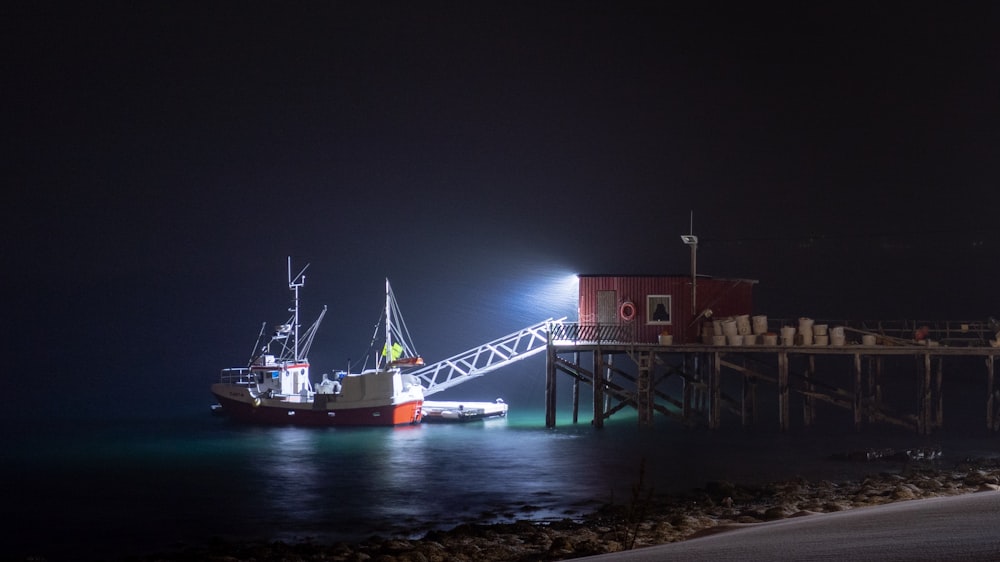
113,488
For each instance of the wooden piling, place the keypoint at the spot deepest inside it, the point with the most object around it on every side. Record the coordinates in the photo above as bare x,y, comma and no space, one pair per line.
598,389
550,386
924,417
939,407
715,391
783,422
857,392
871,388
991,420
687,388
576,391
808,402
749,411
704,372
644,394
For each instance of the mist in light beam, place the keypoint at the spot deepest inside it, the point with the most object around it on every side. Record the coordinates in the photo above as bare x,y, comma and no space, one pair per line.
550,293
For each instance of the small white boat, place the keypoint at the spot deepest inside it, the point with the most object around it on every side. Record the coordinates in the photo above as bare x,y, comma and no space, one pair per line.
463,411
275,388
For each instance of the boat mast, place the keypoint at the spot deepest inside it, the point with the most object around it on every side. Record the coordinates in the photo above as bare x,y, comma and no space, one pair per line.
388,324
293,285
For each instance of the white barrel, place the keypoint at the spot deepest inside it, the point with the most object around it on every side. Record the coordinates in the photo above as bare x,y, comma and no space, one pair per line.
760,325
805,335
837,331
787,335
770,339
821,339
735,339
867,339
729,327
743,324
717,327
820,330
718,340
750,339
837,339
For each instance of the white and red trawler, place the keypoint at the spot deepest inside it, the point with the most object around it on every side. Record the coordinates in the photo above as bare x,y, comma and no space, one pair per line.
276,389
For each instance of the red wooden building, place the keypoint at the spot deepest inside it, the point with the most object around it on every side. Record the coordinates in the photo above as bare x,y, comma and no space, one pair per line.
653,304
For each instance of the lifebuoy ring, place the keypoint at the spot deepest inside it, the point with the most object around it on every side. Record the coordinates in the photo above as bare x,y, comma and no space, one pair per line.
627,311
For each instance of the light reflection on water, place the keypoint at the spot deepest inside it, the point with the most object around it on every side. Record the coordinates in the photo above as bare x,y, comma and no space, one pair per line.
349,483
152,485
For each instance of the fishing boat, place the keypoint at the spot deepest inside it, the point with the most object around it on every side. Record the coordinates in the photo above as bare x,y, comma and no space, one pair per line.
276,388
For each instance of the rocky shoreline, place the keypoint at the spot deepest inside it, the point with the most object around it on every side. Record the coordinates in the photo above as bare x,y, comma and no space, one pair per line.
643,520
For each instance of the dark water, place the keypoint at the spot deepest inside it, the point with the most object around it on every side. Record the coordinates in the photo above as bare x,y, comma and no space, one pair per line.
93,489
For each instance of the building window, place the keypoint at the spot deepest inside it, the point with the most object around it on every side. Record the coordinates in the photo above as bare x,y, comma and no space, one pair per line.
658,309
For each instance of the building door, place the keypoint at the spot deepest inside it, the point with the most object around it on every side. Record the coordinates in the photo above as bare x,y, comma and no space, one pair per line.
607,307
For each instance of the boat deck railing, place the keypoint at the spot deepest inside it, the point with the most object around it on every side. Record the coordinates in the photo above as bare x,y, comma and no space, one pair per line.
238,375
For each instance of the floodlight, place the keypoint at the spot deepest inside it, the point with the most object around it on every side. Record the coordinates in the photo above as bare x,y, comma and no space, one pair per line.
689,239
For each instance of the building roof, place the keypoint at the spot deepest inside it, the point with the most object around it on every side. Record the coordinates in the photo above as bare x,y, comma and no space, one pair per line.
667,276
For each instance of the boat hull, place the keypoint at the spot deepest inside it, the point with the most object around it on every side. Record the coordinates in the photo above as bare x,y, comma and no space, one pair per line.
458,412
287,414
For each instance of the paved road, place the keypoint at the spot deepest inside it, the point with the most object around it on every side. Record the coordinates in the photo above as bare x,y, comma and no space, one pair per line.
954,528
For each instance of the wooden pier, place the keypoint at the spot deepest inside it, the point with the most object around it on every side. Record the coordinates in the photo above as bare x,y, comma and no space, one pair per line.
897,382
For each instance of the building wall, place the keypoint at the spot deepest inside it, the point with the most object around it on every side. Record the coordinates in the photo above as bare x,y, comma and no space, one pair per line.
725,297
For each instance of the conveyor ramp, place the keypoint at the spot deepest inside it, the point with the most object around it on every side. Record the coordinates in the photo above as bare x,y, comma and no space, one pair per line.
485,358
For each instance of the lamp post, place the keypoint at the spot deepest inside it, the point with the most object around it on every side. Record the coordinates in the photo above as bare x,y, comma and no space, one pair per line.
692,241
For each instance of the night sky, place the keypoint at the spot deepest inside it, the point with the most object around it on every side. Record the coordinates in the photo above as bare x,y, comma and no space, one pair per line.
163,159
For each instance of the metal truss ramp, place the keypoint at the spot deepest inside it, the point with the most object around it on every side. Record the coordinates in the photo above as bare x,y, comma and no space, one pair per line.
485,358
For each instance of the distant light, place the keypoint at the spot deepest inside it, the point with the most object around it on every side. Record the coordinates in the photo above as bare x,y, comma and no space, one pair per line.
689,239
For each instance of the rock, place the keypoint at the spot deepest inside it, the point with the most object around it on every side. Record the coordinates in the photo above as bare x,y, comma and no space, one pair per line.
776,512
561,546
903,493
926,483
977,478
589,547
891,455
683,521
396,545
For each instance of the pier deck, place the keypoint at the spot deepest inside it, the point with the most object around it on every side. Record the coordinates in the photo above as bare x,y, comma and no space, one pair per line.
896,383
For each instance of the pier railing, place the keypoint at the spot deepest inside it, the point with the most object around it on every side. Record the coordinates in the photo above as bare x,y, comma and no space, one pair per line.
956,333
589,333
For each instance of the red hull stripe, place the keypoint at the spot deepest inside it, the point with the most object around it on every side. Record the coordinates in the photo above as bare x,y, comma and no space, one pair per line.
399,414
